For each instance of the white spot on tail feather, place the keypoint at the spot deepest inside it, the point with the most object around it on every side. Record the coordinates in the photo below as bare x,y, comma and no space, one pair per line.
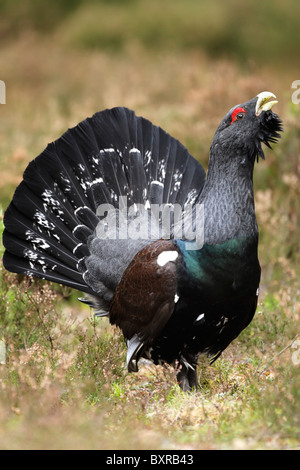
37,242
76,228
199,317
134,150
111,149
148,155
42,220
96,181
49,197
81,208
157,182
76,247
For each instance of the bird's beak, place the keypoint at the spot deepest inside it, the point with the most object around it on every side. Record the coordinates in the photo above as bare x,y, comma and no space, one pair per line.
262,103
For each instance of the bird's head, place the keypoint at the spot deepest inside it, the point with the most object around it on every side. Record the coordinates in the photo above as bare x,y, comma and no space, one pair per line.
246,126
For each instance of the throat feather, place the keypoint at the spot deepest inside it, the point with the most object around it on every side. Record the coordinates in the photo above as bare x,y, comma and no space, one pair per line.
229,210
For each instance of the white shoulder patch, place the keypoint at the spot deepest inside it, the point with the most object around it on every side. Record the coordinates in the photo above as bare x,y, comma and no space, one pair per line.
166,256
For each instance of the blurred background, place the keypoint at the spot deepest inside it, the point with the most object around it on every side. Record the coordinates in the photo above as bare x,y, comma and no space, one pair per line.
180,64
183,65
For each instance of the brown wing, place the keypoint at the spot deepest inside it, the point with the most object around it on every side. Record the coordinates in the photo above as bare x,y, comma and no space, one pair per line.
145,298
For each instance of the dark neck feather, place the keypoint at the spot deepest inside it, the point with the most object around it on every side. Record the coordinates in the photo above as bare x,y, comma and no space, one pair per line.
228,198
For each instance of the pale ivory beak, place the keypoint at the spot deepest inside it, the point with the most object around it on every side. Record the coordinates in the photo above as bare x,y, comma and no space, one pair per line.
262,103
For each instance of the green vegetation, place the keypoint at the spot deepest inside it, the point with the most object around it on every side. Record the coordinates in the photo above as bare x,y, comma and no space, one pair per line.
255,30
63,380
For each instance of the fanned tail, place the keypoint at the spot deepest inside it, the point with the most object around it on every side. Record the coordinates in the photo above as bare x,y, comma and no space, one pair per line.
51,223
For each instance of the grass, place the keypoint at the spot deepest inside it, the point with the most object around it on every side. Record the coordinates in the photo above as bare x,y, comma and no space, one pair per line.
64,384
63,380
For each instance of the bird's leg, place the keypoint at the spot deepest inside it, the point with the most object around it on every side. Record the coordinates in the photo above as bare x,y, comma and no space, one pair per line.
187,375
187,379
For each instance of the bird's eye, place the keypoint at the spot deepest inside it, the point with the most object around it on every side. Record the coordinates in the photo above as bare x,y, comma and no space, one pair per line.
237,114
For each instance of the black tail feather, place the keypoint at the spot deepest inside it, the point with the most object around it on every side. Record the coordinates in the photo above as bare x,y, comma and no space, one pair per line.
50,225
20,265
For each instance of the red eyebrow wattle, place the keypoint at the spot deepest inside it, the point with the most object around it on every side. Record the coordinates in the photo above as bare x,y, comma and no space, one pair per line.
235,112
